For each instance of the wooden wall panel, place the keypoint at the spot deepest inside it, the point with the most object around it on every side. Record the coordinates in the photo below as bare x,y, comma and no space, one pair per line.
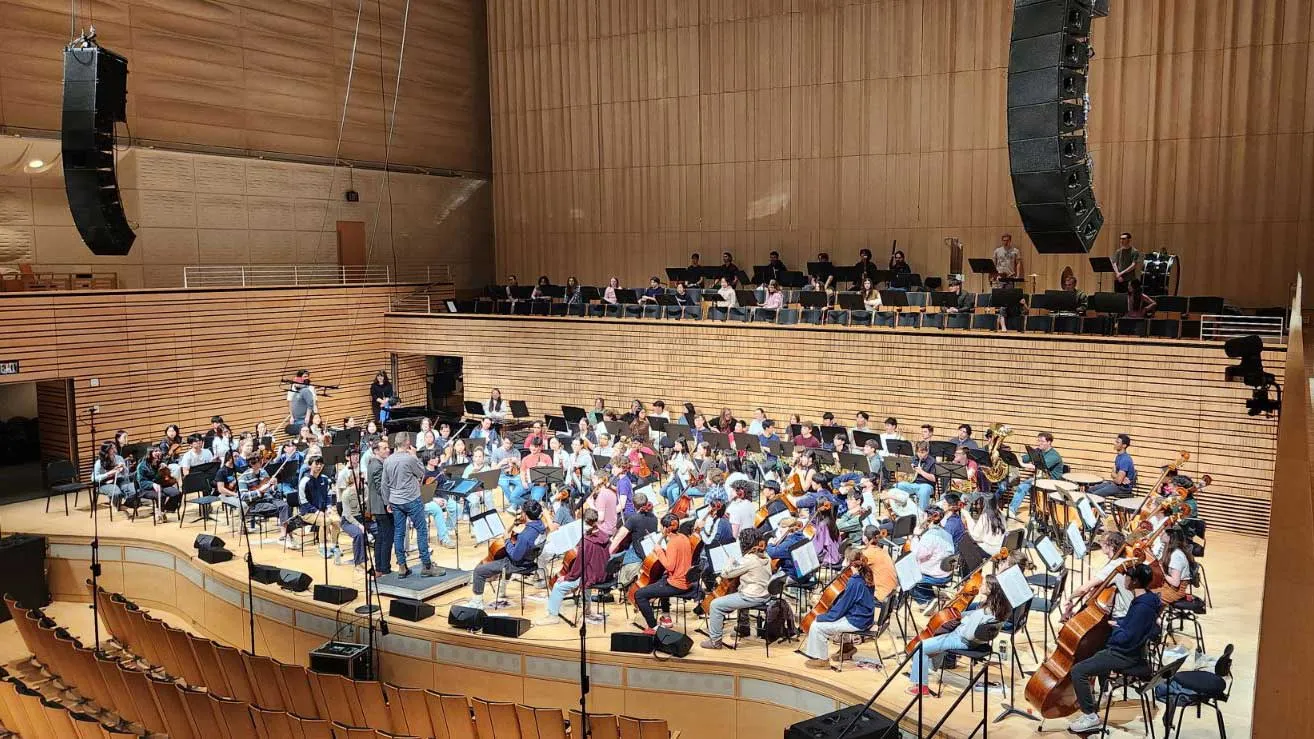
1282,694
56,426
271,77
180,357
1168,396
627,136
199,209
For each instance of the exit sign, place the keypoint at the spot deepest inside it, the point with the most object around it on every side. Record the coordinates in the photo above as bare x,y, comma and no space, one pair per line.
9,367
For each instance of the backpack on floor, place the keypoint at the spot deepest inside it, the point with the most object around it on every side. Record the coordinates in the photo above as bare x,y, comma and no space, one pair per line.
780,623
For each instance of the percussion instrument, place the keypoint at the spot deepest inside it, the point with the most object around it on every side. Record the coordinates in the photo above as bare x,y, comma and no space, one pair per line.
1124,509
1083,478
1061,511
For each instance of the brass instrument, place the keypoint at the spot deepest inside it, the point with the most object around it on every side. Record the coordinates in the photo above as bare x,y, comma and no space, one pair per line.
963,487
998,468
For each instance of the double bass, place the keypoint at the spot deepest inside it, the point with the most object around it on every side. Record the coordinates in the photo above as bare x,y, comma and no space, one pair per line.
953,611
1148,507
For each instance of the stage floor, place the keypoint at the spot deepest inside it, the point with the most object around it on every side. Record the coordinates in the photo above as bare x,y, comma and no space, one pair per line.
1235,566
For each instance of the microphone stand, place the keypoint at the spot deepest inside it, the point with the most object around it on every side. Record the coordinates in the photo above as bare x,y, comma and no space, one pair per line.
371,576
250,566
95,541
584,686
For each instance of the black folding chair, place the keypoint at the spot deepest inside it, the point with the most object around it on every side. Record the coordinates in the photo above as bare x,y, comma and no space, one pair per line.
62,479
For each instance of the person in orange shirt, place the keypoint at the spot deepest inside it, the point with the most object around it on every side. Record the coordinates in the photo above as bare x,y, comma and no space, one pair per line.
675,556
884,578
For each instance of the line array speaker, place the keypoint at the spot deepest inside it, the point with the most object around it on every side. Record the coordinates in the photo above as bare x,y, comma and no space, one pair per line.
95,98
1047,112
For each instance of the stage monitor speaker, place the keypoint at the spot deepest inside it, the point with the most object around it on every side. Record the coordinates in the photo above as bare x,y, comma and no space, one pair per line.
335,594
509,626
672,642
214,555
871,725
632,642
409,609
95,98
205,541
468,619
264,574
297,582
23,560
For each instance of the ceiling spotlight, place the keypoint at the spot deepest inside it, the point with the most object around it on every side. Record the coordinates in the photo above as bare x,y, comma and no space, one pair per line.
36,164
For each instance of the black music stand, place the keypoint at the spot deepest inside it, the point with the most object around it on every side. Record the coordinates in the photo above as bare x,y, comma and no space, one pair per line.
985,268
860,439
1101,266
717,441
573,414
899,447
943,449
854,463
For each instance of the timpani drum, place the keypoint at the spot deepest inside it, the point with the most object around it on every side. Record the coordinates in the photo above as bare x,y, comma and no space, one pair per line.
1124,509
1083,479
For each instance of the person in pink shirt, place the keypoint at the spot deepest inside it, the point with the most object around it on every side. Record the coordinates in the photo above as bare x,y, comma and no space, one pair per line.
605,502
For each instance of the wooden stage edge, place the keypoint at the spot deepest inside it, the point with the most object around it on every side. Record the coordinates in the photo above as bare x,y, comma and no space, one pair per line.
729,693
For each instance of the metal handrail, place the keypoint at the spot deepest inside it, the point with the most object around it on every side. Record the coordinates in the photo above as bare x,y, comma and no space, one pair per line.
1214,327
266,275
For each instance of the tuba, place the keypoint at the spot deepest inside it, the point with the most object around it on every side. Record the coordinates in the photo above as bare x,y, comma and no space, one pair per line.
998,468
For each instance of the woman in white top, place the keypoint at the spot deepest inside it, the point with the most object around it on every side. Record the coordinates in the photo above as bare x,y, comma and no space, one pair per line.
609,294
984,524
682,469
994,609
495,408
222,443
426,441
871,297
110,474
1177,564
560,456
728,297
775,299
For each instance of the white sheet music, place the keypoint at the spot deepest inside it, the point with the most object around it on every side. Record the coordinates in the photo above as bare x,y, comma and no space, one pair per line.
1089,516
777,518
564,539
1049,554
723,556
701,511
1015,586
805,559
487,526
871,520
1074,538
650,541
908,571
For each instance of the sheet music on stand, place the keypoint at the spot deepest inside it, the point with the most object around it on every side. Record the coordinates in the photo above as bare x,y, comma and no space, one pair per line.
723,556
1015,586
1049,553
650,541
1075,540
776,518
1090,518
564,539
805,559
908,571
487,526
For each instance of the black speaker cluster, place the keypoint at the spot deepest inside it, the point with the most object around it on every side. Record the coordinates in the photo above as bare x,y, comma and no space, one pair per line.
211,549
1048,63
95,98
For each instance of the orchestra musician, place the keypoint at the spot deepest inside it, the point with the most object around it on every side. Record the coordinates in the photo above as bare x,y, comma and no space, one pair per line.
155,480
1112,543
966,302
682,472
506,458
382,395
994,609
775,268
486,432
350,511
1178,565
1051,462
496,409
1123,481
172,439
883,576
196,456
111,476
899,263
676,556
524,536
753,571
1126,263
1125,648
301,401
588,567
788,535
854,610
984,522
579,467
1008,261
930,547
805,439
313,505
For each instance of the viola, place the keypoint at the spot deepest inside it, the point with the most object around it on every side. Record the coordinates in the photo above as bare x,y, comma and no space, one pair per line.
953,611
164,477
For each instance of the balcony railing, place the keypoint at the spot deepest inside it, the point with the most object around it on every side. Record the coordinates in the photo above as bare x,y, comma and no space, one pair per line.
1222,327
277,275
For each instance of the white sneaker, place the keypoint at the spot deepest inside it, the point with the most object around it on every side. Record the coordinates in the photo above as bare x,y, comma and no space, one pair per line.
547,621
1084,723
475,602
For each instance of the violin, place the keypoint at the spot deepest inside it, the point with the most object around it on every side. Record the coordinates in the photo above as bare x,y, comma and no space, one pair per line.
953,611
164,477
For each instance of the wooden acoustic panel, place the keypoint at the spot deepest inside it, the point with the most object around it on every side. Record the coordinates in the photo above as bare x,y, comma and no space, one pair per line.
271,77
627,135
162,357
1168,396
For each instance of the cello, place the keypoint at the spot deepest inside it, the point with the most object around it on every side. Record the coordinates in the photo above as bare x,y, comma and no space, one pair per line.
652,569
953,611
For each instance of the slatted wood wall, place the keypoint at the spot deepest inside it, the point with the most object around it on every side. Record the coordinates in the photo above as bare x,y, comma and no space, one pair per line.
54,409
272,76
180,357
1169,396
198,209
629,134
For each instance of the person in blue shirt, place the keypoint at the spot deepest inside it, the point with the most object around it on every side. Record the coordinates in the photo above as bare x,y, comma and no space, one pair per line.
313,498
923,482
993,608
1051,462
854,610
525,535
953,519
290,458
782,546
1124,650
487,433
1124,472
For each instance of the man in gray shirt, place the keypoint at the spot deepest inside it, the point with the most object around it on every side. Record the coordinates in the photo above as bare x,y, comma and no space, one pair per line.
403,473
300,402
